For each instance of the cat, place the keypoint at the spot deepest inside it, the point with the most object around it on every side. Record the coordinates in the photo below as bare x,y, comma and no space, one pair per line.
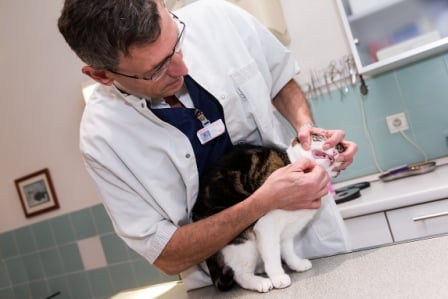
262,246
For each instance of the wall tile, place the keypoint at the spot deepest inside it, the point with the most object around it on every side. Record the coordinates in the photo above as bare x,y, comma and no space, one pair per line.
115,249
83,224
16,270
101,219
8,245
4,276
92,253
25,240
100,283
122,277
33,266
39,289
8,293
51,262
79,285
22,291
71,258
59,284
62,230
43,235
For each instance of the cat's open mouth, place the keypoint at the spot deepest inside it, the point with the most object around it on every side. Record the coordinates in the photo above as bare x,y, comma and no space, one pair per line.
318,154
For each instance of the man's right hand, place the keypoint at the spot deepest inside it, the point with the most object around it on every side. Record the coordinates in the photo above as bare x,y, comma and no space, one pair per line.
299,185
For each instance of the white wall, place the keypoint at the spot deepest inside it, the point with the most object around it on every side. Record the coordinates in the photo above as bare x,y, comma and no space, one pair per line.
41,102
41,105
316,32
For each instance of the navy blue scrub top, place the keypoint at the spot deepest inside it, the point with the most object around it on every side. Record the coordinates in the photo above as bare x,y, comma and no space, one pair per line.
186,121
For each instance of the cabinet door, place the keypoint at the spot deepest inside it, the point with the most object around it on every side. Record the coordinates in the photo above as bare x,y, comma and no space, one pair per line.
368,231
419,221
386,34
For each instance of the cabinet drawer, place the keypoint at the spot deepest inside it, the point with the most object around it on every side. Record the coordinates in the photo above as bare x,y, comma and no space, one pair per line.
419,221
368,231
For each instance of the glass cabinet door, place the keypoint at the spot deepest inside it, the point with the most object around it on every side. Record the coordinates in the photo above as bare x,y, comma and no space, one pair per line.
385,34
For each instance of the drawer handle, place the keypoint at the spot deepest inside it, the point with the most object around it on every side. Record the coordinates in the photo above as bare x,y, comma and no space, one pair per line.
421,218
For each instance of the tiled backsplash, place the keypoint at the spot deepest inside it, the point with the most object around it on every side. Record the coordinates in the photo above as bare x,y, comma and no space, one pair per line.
42,259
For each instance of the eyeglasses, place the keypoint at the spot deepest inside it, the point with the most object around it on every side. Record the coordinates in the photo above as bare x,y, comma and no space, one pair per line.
160,70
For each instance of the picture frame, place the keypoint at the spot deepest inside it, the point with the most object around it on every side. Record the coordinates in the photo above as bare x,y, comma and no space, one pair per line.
36,192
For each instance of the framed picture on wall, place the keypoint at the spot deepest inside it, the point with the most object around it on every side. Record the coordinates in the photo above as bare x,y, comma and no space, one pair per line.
37,193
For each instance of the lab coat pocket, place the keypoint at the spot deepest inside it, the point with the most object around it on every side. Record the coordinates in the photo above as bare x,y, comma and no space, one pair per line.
253,91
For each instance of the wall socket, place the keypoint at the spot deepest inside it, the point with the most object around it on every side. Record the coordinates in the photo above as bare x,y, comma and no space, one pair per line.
397,122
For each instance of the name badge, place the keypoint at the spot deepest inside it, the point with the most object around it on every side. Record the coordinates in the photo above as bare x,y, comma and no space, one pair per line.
211,131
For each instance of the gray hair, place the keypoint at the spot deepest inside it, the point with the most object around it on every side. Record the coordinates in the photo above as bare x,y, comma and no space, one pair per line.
98,31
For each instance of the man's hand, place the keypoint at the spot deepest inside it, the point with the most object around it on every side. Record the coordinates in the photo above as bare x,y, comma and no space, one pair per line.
299,185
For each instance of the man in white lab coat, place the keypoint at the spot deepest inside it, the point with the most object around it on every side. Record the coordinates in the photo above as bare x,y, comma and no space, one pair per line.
141,136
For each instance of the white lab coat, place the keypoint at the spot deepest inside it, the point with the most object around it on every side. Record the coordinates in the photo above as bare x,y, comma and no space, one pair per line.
145,169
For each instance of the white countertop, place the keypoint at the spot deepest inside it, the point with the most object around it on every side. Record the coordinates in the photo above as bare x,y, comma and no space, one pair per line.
408,270
381,196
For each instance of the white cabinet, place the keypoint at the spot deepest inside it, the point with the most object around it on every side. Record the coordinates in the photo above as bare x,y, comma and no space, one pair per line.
386,34
419,221
368,231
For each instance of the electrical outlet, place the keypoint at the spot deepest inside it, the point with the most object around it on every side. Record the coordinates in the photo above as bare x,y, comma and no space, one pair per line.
397,122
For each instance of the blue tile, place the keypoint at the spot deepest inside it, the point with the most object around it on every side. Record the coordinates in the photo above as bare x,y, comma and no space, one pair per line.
71,258
22,291
100,282
43,235
83,224
59,284
16,270
39,289
63,230
123,277
102,220
8,247
8,293
79,285
25,240
115,249
33,266
4,276
51,261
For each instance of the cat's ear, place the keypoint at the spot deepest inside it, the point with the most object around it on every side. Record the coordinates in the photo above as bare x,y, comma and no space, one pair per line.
100,76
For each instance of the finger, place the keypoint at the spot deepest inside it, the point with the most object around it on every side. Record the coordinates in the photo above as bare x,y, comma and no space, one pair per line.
315,204
304,137
302,165
334,137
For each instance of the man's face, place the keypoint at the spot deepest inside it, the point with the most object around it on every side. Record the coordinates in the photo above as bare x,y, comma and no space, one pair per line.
144,60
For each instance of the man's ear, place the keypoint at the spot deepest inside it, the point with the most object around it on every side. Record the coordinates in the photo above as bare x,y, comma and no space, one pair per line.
100,76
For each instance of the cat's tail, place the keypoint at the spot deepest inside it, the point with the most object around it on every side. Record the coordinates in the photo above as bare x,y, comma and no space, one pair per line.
220,273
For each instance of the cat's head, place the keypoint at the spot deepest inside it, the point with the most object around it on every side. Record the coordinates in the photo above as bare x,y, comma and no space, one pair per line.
326,159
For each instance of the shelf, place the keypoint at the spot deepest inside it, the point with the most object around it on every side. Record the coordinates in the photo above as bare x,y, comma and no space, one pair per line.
405,58
373,11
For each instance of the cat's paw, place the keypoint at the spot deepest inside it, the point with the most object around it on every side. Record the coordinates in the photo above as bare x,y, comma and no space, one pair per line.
300,265
263,285
256,283
281,281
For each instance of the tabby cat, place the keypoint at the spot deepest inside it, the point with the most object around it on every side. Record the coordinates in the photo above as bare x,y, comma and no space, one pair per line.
262,246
